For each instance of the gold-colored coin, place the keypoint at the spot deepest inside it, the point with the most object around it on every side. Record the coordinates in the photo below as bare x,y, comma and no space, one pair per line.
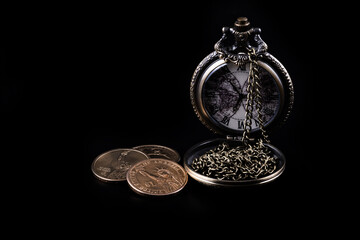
156,177
113,165
158,151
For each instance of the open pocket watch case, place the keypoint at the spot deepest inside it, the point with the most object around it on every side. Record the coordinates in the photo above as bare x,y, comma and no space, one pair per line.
218,93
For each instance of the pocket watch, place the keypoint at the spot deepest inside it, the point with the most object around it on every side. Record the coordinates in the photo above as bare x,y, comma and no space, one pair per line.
218,89
242,92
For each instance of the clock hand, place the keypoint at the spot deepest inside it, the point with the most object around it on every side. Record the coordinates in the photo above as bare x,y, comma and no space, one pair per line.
240,99
233,85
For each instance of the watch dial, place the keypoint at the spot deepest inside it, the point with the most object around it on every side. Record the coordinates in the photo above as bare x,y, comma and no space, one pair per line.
224,95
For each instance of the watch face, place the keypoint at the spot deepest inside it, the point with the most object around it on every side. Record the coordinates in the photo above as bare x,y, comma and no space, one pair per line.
223,92
218,93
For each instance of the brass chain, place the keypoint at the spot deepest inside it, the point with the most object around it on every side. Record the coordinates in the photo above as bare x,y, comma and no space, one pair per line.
257,97
236,163
246,161
249,106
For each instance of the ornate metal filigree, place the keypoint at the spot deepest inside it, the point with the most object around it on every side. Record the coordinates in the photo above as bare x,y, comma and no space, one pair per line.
234,45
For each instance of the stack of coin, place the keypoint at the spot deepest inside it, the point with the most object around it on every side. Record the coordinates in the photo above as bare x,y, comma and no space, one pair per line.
149,169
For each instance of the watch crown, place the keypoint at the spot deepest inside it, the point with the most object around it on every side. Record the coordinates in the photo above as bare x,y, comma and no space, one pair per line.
242,24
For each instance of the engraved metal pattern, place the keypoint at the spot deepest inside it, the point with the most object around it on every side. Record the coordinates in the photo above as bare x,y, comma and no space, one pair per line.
232,44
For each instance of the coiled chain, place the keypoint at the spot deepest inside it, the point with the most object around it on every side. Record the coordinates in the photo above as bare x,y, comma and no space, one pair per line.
236,163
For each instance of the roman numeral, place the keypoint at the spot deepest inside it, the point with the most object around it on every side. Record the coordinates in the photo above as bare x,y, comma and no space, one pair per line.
241,124
225,120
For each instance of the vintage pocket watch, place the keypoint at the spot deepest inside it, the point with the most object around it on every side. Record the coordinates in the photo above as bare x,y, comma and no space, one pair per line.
242,92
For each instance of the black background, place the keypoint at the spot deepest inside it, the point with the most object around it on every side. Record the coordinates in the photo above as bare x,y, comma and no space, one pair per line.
79,80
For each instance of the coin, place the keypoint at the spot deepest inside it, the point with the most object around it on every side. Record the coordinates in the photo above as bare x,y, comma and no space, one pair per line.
158,151
112,166
156,177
